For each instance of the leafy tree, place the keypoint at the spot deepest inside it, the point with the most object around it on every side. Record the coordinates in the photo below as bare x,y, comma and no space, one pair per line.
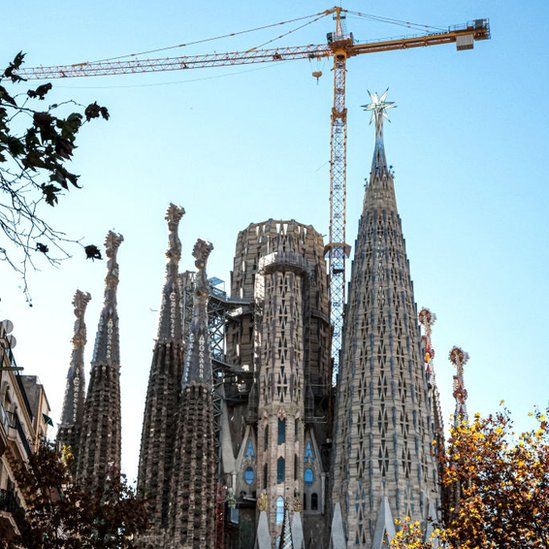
503,484
59,513
36,143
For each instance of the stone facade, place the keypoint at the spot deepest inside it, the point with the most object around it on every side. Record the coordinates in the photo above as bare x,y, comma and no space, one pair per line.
100,433
383,466
75,391
275,437
192,497
161,405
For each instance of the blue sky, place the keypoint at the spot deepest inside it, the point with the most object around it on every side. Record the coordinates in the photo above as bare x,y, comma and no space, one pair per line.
468,142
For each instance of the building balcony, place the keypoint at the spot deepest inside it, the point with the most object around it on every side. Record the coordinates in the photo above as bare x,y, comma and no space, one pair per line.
8,508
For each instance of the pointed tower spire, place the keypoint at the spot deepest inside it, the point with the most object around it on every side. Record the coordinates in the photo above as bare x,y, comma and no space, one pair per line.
383,434
459,358
286,541
193,485
378,106
75,391
160,414
100,436
427,319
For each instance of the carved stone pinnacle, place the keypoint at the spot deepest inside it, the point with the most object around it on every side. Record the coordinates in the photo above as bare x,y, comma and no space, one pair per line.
80,301
112,243
201,252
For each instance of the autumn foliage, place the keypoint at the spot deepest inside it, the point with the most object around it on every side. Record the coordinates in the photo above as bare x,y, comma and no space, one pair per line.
59,513
498,483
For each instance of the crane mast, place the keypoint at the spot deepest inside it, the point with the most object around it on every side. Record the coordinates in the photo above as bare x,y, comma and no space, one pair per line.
337,250
340,46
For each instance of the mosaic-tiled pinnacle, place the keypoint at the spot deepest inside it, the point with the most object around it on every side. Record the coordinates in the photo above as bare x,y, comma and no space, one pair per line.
198,363
75,391
159,419
383,430
100,436
193,487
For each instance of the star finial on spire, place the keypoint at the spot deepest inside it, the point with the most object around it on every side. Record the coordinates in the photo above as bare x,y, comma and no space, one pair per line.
379,106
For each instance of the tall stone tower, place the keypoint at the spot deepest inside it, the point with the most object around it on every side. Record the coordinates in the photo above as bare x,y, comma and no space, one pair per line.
161,406
75,391
191,514
383,466
99,446
279,426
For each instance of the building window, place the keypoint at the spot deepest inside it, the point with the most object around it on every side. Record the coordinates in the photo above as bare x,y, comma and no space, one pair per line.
281,431
280,470
296,428
295,466
308,476
249,450
249,476
279,510
304,502
314,502
265,476
266,442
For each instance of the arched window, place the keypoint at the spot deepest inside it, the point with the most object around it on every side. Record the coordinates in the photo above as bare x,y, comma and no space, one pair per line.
280,470
265,476
249,450
296,428
249,475
281,431
308,476
266,441
314,502
279,509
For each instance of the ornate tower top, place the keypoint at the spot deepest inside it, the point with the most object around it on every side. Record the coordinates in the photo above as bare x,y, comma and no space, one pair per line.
170,324
379,107
75,390
198,364
106,348
459,358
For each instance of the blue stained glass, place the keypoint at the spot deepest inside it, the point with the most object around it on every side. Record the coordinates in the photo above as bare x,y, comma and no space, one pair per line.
308,476
279,510
249,475
309,456
249,450
281,431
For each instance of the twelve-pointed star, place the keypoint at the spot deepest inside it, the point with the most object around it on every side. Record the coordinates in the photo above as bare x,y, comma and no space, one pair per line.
379,106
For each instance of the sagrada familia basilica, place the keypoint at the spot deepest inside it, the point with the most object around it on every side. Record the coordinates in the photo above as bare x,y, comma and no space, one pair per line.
245,442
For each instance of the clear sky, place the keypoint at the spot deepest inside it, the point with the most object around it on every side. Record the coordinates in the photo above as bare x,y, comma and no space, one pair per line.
468,142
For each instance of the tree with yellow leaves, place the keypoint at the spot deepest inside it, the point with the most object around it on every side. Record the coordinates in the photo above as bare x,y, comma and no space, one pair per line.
503,483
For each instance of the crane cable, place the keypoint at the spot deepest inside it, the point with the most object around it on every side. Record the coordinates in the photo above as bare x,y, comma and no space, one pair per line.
291,31
211,39
391,21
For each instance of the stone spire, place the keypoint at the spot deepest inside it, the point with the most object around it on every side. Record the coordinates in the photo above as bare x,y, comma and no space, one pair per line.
159,427
75,391
459,358
100,436
383,458
427,319
286,541
191,516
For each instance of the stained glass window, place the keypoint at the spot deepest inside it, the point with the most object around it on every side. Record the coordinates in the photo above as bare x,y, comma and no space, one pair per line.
280,470
281,431
249,475
249,450
308,476
279,509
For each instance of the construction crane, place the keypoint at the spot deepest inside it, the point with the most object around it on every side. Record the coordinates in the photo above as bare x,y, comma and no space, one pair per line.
340,46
